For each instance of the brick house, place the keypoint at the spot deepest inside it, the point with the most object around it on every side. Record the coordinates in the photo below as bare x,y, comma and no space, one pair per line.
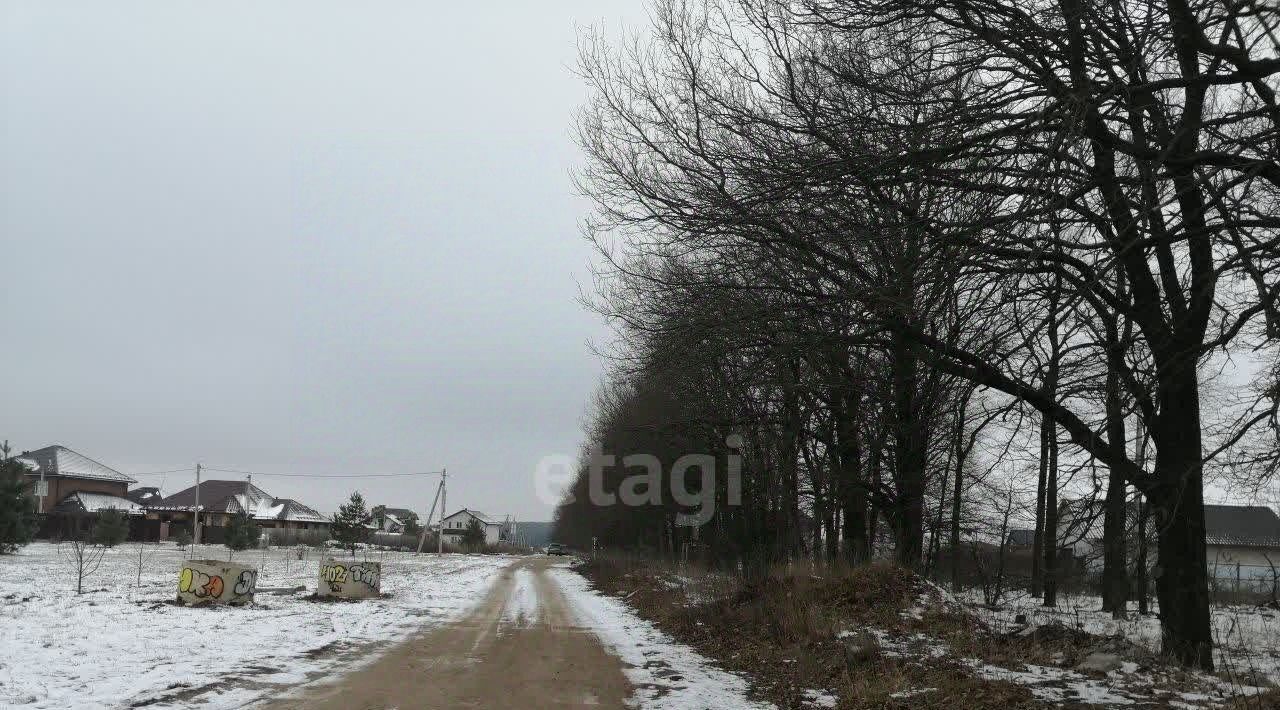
65,473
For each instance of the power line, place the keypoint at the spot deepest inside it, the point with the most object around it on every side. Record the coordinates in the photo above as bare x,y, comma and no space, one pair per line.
323,475
161,473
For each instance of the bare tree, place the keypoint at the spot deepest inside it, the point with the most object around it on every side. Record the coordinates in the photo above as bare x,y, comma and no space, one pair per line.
82,557
960,194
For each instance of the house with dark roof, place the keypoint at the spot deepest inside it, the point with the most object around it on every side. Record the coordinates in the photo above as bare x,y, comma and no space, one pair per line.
219,500
1242,542
1021,537
144,495
58,474
392,520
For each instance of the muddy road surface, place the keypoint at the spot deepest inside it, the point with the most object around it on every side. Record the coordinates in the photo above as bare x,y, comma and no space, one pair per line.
520,648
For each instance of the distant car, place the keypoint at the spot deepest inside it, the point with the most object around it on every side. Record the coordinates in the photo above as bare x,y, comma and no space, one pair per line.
556,548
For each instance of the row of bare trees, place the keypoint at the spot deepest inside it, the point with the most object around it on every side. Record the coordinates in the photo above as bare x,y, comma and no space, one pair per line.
893,244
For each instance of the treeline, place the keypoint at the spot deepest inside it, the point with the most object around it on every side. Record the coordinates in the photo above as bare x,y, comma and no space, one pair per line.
925,257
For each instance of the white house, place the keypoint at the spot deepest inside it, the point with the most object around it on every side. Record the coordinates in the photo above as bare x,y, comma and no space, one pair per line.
455,525
1242,542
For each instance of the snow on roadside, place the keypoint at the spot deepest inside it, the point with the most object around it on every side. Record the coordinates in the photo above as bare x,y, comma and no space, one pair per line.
522,605
1048,683
666,675
121,643
1246,638
1058,685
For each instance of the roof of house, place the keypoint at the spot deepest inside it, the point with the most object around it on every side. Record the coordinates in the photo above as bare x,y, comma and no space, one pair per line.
1242,525
221,496
1080,520
475,514
215,495
293,510
144,495
1022,537
1238,525
57,460
398,513
84,502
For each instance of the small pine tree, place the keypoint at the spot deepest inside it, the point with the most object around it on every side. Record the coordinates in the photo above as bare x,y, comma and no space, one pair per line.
242,534
111,529
182,539
351,522
17,506
473,536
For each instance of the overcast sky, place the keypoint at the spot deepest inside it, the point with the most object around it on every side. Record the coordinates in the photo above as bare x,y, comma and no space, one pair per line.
298,237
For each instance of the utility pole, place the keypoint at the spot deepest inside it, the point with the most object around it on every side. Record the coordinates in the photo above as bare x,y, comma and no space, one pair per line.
427,525
43,490
444,494
196,533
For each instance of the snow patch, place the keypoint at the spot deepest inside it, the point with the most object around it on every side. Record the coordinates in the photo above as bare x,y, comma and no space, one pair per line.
819,699
667,675
522,606
123,643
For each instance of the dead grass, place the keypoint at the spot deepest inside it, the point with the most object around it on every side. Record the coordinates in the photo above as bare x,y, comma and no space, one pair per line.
1269,700
804,628
783,632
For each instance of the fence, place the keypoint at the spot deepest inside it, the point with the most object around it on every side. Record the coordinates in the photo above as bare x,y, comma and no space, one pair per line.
1238,578
387,539
288,537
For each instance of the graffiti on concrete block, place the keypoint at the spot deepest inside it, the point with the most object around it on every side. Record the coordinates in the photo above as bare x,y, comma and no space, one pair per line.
368,576
203,582
350,580
247,582
200,584
334,575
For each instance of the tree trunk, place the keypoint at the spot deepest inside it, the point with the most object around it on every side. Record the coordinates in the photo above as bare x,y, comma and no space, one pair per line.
1050,513
935,536
793,542
853,494
1177,501
956,494
1049,449
1140,563
874,458
831,486
1115,578
910,456
1037,542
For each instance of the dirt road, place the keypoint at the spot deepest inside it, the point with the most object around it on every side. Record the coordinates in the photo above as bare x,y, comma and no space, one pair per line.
518,649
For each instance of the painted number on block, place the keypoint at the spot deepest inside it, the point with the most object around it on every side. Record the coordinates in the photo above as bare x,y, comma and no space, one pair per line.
334,575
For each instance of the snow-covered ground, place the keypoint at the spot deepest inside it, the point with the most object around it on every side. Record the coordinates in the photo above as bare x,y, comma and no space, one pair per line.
123,643
666,675
1127,683
1246,638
